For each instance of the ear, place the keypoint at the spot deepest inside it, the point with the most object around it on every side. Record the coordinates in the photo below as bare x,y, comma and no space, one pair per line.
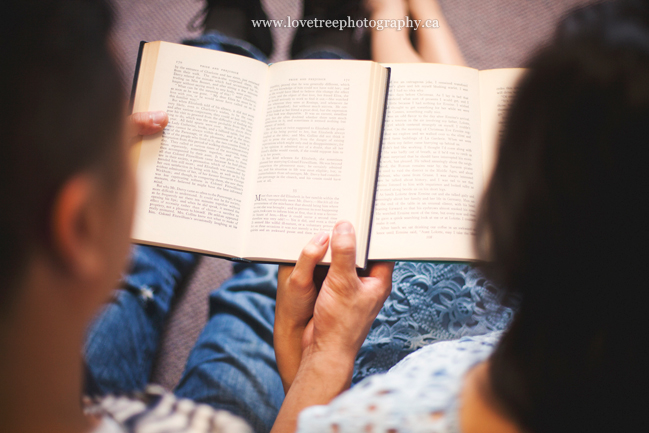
76,227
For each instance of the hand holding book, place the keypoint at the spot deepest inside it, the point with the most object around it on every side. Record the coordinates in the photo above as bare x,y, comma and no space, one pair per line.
335,320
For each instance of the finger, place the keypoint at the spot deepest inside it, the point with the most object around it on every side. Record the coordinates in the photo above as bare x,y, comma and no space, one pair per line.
380,270
343,250
147,123
381,274
312,253
283,273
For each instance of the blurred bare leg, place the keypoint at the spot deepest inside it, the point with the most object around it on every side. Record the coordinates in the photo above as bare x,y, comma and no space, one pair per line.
435,45
391,45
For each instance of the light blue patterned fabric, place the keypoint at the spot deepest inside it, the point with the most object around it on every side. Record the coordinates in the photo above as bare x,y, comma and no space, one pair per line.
420,394
431,302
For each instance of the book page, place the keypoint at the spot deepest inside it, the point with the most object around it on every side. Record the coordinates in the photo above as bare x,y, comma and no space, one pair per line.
318,153
497,89
430,174
192,177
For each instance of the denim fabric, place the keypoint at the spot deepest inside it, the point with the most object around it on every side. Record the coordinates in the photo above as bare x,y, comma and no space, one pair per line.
331,53
232,365
123,339
218,41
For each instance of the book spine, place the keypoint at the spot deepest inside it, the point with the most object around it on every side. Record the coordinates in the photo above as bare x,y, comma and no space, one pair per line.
378,164
135,76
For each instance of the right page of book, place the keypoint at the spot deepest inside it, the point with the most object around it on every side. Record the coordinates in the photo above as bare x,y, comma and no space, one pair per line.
497,89
431,172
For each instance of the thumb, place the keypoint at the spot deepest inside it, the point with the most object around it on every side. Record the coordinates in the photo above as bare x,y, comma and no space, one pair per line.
147,123
343,250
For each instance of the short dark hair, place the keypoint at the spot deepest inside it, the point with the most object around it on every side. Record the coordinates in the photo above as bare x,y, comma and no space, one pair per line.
564,223
61,108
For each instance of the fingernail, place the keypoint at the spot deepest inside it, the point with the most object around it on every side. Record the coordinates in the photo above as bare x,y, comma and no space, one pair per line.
344,228
321,238
158,117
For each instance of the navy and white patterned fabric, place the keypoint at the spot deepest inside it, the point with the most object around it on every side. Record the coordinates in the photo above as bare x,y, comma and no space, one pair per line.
158,411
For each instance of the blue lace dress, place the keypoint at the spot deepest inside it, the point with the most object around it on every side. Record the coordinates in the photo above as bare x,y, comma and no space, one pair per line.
451,305
431,302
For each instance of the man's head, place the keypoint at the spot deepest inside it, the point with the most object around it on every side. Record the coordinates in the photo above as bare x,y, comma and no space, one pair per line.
65,185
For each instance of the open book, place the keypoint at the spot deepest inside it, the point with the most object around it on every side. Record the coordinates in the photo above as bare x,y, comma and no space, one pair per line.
256,159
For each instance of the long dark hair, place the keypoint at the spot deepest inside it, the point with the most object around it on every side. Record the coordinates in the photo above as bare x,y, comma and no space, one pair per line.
564,223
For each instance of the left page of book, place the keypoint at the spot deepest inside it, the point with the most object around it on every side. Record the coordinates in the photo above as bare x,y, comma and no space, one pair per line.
193,177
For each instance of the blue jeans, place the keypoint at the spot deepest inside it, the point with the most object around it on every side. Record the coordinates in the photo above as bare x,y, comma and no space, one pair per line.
232,365
220,42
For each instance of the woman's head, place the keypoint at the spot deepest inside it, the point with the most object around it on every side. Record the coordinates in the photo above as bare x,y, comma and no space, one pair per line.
564,223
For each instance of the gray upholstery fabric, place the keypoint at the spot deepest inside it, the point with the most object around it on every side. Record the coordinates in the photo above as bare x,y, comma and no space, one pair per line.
491,33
